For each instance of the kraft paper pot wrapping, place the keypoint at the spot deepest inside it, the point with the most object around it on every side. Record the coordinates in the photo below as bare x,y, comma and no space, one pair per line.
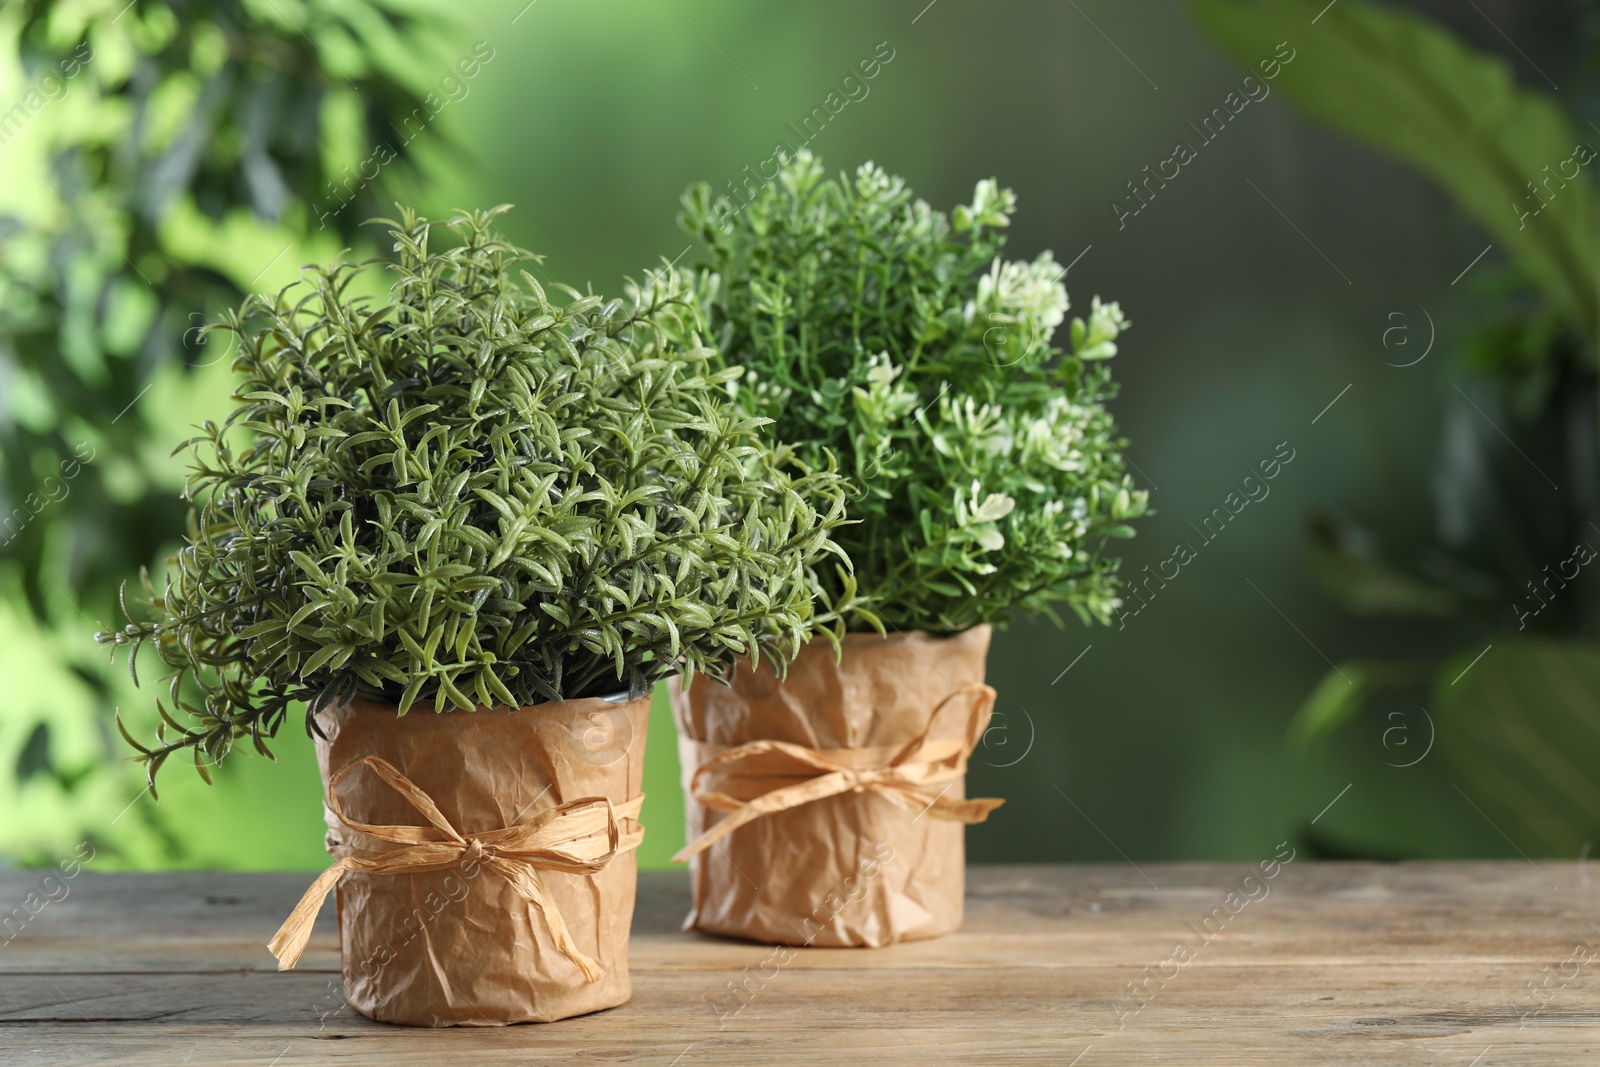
863,759
464,945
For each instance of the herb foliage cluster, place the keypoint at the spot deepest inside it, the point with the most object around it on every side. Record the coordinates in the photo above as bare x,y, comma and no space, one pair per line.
475,494
874,330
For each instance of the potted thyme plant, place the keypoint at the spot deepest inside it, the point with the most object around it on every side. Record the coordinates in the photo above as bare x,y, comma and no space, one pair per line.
874,330
468,527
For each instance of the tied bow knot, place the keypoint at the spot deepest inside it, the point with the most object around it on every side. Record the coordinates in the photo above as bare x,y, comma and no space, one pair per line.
580,837
764,777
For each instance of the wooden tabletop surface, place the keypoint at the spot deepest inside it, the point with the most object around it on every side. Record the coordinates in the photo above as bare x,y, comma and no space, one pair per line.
1480,964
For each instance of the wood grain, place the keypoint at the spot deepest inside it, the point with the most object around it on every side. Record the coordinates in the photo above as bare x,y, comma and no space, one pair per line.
1426,963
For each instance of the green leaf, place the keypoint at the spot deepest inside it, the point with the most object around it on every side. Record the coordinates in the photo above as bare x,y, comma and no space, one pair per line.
418,653
431,649
306,612
321,658
1334,702
412,691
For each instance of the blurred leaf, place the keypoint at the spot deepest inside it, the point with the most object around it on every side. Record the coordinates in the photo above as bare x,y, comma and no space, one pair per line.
1404,85
1521,730
1334,701
1345,690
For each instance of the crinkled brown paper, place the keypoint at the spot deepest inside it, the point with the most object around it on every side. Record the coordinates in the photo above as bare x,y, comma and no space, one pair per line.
462,947
859,868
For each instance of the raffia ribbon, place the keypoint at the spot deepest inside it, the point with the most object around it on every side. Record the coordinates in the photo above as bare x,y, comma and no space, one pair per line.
579,837
762,777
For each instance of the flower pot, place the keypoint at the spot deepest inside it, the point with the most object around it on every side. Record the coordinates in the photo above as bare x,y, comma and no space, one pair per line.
512,901
828,808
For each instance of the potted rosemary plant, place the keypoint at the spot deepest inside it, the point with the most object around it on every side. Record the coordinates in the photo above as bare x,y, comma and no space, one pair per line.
872,329
468,527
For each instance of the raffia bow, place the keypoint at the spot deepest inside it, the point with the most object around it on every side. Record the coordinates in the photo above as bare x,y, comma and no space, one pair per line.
579,837
763,777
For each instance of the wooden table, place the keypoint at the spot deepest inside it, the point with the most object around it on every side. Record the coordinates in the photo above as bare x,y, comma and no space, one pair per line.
1479,964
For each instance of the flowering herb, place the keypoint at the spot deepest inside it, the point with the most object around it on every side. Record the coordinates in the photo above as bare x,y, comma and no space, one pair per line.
877,331
473,494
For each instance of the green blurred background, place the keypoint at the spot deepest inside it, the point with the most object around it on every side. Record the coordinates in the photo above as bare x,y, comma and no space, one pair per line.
1260,284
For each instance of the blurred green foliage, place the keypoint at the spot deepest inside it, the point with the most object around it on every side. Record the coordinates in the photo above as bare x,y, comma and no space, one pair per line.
593,117
1519,460
172,144
193,115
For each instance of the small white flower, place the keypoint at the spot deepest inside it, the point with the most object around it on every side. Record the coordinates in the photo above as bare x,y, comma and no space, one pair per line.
995,507
880,371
